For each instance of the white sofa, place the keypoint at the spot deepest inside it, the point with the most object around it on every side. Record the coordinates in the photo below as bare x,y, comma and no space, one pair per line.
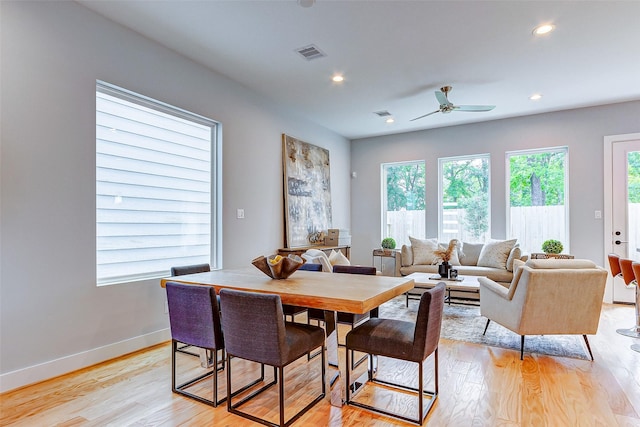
496,262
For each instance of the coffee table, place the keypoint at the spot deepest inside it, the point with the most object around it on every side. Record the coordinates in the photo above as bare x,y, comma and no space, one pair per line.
465,291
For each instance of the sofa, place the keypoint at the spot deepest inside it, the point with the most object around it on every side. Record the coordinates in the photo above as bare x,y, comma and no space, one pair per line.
493,259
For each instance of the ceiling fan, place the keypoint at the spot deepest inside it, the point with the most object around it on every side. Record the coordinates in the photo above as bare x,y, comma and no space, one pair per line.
446,106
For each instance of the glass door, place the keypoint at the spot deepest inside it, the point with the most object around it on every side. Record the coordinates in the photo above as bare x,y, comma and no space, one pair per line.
625,209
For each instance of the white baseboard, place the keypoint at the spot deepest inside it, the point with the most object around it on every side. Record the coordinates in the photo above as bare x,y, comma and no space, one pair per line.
64,365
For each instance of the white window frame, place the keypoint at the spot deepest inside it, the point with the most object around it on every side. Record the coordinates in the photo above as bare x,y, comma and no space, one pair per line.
564,239
211,243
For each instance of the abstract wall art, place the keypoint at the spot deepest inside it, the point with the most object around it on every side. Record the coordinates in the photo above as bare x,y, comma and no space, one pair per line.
307,191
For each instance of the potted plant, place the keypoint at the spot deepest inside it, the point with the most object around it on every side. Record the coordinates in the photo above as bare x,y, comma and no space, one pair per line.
388,243
552,246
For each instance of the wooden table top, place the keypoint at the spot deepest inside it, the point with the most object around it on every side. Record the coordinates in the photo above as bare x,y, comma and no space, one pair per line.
351,293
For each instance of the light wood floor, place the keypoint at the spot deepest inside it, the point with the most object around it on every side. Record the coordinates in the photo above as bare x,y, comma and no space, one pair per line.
479,386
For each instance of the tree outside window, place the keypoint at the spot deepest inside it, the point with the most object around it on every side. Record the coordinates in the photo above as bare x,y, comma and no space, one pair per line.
464,202
537,197
403,211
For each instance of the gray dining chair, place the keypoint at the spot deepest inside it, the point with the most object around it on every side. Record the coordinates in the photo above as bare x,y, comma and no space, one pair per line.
351,319
194,320
403,340
255,330
192,269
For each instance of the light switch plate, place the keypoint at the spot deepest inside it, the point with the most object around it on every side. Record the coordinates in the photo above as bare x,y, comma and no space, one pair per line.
240,213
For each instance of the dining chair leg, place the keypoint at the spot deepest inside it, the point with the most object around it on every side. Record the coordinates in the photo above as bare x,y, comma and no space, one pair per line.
435,369
521,347
420,390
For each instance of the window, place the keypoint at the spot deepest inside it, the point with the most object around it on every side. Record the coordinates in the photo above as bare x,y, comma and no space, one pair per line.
154,186
403,199
464,199
537,208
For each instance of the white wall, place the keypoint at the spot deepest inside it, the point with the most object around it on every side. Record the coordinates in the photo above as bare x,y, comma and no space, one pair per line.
53,318
582,130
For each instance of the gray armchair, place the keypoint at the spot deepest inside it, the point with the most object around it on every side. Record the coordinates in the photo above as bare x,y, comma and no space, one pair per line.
546,297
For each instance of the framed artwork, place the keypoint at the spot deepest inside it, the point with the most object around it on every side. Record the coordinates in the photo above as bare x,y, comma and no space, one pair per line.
307,191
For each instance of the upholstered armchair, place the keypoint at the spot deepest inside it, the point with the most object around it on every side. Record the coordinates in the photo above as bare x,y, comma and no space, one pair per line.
547,297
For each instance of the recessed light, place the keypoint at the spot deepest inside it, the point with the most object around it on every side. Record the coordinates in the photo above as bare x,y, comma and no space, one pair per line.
543,29
390,120
535,96
338,78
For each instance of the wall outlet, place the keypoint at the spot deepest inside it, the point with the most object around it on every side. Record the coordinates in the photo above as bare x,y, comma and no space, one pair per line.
598,215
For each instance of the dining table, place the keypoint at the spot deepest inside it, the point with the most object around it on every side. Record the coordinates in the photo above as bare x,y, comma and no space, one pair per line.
331,292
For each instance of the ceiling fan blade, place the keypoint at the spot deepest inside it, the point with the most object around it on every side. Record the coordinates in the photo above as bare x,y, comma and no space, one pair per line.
433,112
442,98
474,107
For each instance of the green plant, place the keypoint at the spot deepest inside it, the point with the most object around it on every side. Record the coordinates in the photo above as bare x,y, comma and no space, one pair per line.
552,246
388,243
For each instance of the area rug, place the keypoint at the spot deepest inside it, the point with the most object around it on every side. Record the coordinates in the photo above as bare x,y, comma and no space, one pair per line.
464,323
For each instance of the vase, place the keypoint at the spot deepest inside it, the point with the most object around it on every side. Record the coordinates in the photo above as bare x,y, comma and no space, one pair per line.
443,270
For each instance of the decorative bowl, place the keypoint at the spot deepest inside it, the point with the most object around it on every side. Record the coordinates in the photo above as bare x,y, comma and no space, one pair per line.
277,266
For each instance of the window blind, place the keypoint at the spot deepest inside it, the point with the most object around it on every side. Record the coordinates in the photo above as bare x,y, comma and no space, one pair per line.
153,187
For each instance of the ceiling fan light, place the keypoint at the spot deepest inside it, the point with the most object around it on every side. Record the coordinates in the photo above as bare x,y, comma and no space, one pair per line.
390,120
543,29
535,96
338,78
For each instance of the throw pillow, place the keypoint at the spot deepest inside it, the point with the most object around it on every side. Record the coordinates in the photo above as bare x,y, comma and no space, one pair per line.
338,258
495,253
516,253
423,251
470,253
316,256
407,256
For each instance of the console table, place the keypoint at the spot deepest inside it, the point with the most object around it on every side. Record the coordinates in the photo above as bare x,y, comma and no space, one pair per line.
345,249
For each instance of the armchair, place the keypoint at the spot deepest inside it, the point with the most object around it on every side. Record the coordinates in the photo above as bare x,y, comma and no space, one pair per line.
547,297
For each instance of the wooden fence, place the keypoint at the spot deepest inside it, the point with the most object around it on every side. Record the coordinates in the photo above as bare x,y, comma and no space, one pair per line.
531,225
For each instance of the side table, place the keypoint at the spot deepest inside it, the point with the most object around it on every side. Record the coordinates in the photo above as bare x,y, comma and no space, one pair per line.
382,254
548,256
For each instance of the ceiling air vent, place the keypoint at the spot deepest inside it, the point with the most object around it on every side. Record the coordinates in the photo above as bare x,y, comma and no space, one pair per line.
310,52
384,113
